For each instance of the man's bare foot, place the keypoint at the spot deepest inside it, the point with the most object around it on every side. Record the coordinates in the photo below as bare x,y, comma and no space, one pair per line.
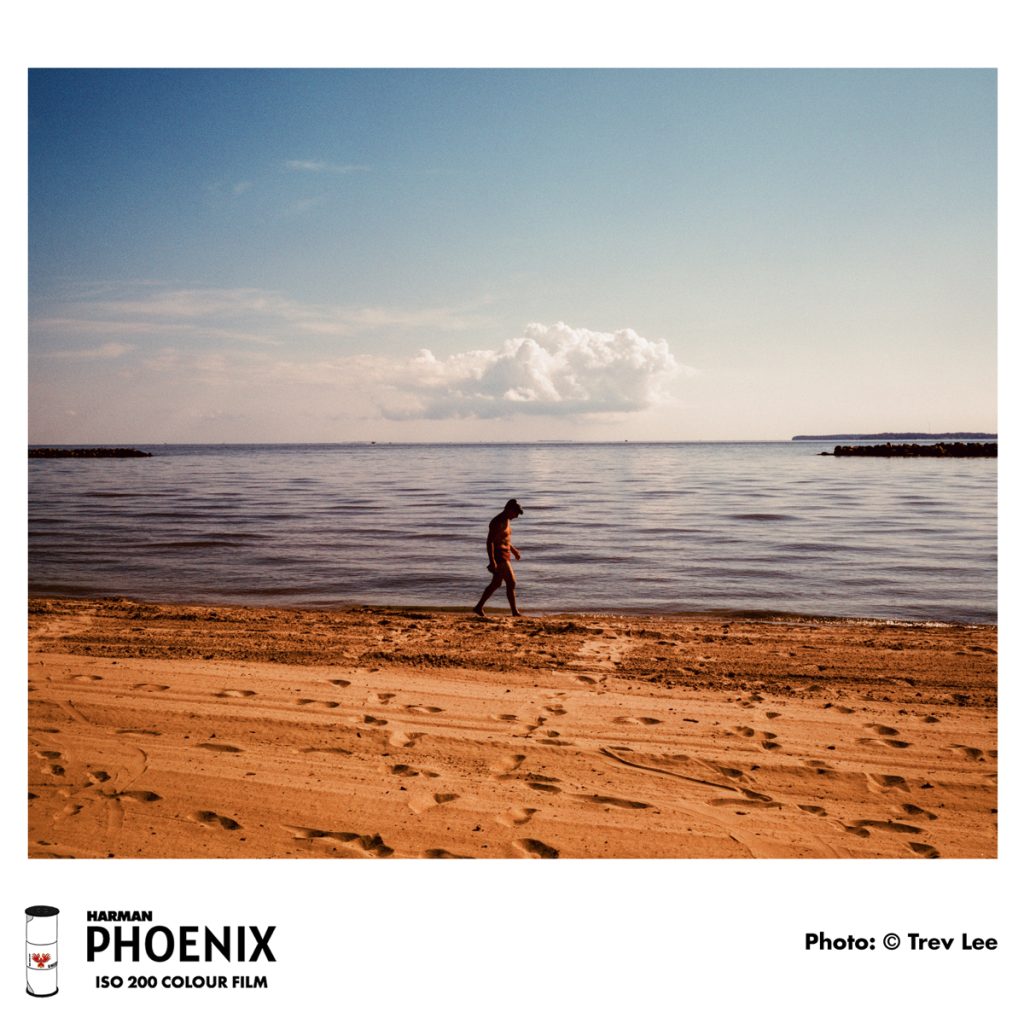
479,611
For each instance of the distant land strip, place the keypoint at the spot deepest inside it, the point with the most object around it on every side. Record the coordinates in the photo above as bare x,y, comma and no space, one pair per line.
894,437
958,450
87,453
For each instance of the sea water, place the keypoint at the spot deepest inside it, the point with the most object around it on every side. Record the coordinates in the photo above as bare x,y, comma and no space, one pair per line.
669,528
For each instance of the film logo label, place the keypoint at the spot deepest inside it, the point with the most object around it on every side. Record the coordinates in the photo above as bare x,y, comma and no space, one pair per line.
41,950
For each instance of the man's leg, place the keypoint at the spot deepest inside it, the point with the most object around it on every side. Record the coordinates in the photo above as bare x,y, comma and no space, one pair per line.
510,588
496,581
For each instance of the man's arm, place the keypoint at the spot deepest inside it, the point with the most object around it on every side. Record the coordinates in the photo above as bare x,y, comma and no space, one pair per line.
492,544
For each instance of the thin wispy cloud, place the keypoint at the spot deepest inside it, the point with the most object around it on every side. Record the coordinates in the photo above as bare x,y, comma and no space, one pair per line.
553,371
240,315
111,350
324,167
230,189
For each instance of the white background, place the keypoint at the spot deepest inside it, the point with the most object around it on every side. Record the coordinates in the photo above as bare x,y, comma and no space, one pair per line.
539,940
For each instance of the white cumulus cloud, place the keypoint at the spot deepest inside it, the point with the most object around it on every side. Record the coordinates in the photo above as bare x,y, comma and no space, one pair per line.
550,370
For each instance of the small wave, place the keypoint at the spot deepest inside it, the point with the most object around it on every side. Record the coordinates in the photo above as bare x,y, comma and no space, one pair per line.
175,545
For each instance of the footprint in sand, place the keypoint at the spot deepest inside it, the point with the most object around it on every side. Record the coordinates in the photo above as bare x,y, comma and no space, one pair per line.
535,848
444,855
507,765
86,679
326,750
222,748
97,778
301,832
516,816
212,819
883,730
543,783
137,732
370,846
636,720
814,809
773,714
855,830
752,794
423,709
371,720
150,687
915,810
424,801
406,771
971,753
615,801
555,709
505,718
735,801
742,730
885,783
586,679
385,698
340,682
49,755
888,826
236,693
924,850
404,739
876,741
142,796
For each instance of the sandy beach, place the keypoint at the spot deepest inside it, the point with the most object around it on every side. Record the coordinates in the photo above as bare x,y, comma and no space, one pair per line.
172,731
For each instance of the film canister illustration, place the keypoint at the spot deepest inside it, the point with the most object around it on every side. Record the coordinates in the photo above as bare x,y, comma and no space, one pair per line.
41,951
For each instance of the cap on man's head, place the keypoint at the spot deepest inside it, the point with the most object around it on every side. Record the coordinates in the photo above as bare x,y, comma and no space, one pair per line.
513,506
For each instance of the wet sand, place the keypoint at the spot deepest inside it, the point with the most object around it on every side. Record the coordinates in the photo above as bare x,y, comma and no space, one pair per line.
168,731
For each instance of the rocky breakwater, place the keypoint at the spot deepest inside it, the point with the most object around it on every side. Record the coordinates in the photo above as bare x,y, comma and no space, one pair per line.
947,450
87,453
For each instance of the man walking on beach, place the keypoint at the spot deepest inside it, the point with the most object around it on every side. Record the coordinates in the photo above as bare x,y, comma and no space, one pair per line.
499,556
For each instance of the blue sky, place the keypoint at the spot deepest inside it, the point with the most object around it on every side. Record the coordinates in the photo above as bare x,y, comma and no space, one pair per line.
509,255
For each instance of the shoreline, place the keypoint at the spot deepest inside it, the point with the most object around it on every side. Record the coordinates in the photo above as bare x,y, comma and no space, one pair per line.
497,609
195,730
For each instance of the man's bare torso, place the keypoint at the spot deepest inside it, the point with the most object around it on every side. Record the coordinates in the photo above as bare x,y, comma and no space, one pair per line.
499,535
